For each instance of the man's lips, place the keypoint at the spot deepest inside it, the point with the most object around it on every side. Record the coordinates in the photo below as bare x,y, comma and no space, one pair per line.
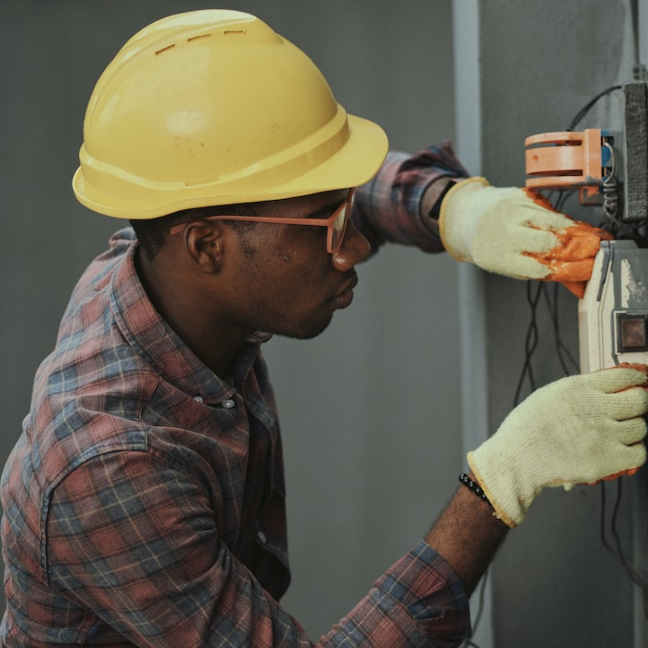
347,287
344,296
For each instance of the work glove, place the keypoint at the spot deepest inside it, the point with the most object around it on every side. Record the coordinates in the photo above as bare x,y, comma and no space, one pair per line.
516,232
579,429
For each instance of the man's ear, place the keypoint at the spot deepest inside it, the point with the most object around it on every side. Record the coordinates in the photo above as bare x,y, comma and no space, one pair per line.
205,242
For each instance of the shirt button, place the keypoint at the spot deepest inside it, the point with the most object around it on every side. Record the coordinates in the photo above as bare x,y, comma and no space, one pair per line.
262,537
198,399
228,404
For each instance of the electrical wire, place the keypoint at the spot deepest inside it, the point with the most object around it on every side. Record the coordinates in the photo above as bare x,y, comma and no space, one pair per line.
639,70
563,353
617,552
533,294
611,200
610,184
482,593
480,610
612,204
580,115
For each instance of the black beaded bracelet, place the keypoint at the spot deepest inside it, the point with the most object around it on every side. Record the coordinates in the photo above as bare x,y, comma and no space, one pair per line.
473,486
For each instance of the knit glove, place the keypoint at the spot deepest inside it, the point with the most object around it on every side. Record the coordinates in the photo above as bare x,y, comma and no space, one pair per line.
579,429
516,232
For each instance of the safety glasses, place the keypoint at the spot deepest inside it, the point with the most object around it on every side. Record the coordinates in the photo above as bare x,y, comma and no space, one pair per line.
336,222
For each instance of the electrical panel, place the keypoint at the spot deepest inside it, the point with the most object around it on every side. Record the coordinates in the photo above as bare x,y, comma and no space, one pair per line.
609,169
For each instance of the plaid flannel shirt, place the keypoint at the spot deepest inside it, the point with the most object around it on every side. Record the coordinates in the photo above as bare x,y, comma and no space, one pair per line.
143,504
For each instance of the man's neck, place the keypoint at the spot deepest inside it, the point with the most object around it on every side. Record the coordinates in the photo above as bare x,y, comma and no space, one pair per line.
215,345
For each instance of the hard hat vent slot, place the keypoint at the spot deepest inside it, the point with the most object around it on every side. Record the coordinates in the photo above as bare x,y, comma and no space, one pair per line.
234,31
164,49
193,38
189,40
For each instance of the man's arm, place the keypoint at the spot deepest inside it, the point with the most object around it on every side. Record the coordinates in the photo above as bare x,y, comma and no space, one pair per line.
392,207
433,194
517,233
577,430
505,230
132,538
467,535
132,542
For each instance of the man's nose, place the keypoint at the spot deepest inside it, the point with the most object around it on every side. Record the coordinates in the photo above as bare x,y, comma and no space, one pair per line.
354,249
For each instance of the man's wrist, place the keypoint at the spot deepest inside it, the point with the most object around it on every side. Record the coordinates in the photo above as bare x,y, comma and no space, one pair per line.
434,195
471,483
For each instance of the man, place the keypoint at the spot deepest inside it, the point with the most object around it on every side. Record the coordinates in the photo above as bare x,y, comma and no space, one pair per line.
144,503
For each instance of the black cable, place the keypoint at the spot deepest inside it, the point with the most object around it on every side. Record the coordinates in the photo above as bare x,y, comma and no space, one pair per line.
613,526
480,611
565,357
602,520
564,354
620,232
634,10
562,199
482,594
531,340
618,554
639,70
588,106
617,551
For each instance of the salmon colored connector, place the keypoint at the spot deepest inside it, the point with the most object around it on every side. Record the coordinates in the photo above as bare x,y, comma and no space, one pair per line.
565,160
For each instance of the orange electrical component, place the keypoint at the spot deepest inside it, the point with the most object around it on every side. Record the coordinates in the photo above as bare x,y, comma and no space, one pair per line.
566,160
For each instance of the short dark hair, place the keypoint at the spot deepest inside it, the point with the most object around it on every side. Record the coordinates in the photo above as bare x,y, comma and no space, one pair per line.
152,232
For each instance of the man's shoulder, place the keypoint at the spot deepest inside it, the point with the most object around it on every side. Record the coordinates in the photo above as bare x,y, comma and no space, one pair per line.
88,403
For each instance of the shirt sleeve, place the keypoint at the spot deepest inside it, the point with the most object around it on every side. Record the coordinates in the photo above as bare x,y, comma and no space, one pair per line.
388,207
132,542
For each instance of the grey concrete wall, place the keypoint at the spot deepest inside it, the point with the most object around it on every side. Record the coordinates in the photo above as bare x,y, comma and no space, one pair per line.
370,410
553,583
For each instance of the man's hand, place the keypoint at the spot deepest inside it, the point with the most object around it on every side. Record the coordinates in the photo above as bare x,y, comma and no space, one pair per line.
516,233
579,429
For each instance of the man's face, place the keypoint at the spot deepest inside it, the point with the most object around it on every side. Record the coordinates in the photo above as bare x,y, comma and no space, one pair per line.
288,283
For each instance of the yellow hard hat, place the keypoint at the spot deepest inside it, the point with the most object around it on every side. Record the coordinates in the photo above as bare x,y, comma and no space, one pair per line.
214,108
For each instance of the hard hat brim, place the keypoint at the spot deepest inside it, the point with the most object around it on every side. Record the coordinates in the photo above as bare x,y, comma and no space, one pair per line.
352,165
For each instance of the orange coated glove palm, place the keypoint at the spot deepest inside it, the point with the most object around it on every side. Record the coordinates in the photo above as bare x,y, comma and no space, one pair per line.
515,232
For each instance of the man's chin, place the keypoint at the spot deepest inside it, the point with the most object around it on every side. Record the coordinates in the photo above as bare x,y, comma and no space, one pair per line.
308,332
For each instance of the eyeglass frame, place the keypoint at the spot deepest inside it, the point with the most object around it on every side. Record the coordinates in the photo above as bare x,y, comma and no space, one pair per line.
329,222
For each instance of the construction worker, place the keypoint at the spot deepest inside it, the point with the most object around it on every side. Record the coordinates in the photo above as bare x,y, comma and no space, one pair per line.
144,502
